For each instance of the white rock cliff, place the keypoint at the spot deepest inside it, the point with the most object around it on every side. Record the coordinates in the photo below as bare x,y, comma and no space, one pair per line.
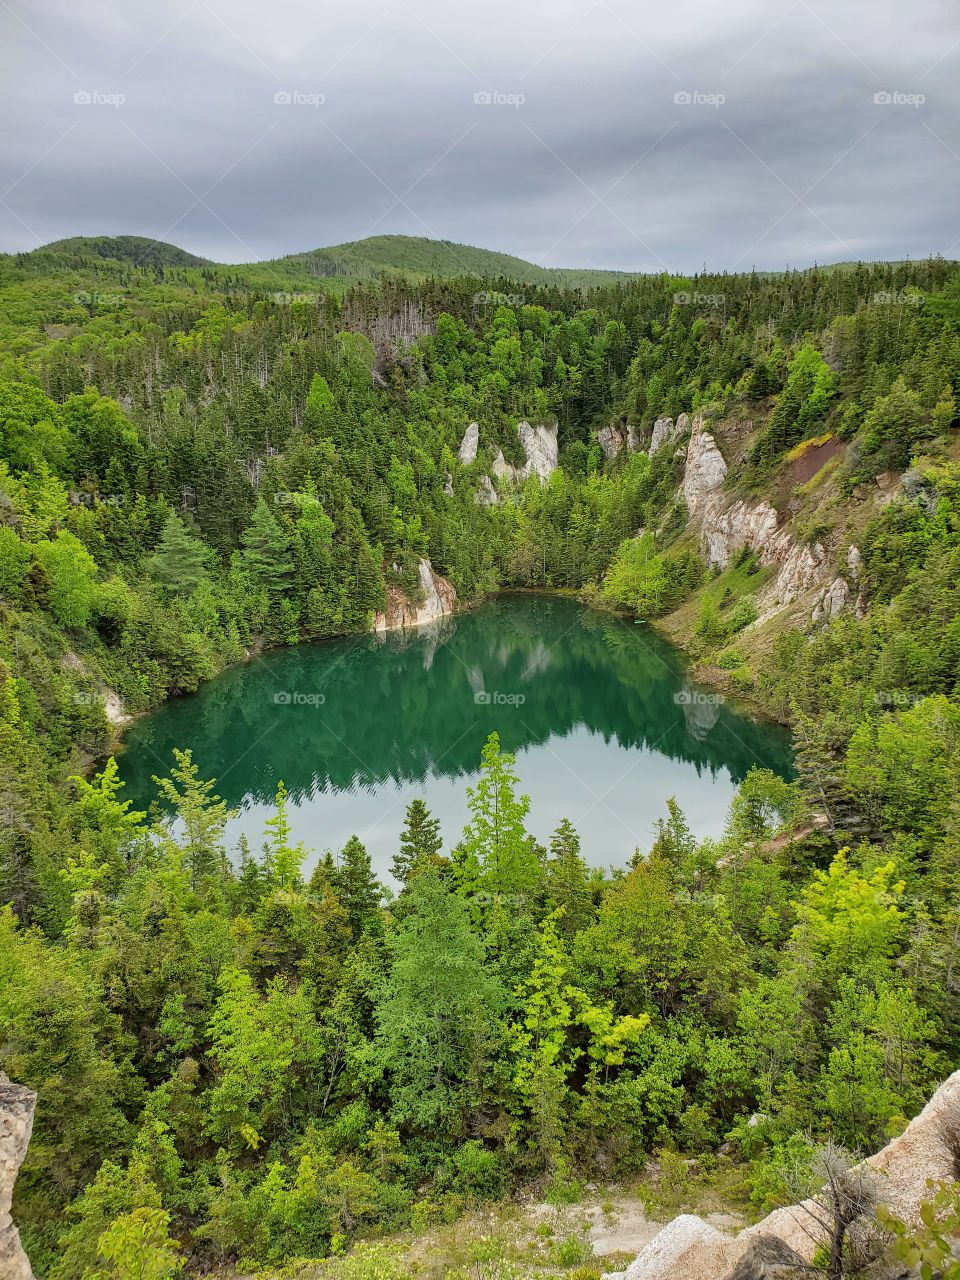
438,600
16,1124
469,444
665,431
725,530
540,447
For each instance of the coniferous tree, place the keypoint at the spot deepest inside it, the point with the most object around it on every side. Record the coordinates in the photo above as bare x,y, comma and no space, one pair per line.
179,562
435,1013
420,840
357,887
266,551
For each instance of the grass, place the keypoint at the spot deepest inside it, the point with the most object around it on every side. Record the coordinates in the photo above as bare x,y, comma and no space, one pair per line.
533,1241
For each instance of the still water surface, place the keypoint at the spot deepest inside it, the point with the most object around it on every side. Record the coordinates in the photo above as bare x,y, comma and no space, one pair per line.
603,719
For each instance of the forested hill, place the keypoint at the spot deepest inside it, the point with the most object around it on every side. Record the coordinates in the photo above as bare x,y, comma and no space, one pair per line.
240,1069
334,268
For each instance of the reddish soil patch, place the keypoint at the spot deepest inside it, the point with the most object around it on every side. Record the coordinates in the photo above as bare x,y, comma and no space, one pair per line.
811,460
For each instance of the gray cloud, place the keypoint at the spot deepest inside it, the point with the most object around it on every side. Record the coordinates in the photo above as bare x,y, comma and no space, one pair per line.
585,156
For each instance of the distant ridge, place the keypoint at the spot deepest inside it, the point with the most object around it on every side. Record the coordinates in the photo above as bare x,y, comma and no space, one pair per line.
137,249
413,257
338,267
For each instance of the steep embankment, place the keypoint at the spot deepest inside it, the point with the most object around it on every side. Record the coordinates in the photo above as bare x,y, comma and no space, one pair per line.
798,528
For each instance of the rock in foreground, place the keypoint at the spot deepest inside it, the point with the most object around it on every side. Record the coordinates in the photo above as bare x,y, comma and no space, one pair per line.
689,1247
16,1124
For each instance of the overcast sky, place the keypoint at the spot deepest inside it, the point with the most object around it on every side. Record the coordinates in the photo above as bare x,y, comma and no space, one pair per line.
621,133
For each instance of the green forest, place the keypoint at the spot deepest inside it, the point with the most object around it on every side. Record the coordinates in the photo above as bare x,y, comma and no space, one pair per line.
240,1066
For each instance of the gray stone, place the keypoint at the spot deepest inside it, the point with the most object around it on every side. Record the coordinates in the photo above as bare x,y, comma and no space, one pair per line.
17,1106
469,444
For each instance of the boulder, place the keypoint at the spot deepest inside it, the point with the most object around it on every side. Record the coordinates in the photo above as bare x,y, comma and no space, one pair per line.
17,1106
767,1258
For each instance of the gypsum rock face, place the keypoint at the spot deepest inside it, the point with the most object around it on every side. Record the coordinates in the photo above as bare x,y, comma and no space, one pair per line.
17,1106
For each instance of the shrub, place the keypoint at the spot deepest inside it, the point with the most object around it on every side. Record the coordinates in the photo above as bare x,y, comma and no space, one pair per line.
479,1172
742,614
729,659
572,1250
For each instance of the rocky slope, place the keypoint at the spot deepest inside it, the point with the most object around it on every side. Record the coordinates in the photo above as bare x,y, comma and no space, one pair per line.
690,1247
16,1123
724,528
540,447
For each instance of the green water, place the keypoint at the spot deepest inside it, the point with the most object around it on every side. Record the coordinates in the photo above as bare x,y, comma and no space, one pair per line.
604,722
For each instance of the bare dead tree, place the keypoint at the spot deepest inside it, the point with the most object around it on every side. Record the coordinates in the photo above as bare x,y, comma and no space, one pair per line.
840,1218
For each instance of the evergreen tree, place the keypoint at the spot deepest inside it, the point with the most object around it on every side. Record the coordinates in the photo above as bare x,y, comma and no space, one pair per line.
568,881
266,552
435,1014
282,860
357,887
497,857
204,817
179,561
420,840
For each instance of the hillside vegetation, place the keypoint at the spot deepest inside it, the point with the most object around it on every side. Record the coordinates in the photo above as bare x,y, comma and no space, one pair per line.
335,268
238,1067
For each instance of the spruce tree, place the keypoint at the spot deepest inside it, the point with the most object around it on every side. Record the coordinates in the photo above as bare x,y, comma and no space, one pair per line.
568,880
179,561
436,1012
358,889
266,551
420,840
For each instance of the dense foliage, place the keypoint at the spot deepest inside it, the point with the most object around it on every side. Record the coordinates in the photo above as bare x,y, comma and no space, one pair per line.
244,1063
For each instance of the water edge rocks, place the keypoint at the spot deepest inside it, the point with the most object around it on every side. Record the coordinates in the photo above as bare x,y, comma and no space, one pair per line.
438,600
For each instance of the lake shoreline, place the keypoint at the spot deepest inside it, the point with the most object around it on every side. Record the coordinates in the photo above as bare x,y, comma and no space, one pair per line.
604,718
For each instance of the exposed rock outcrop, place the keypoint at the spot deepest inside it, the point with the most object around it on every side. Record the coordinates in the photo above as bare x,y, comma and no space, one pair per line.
16,1124
612,439
617,436
726,530
541,449
705,470
831,600
503,469
470,444
854,563
689,1246
540,446
666,431
439,600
